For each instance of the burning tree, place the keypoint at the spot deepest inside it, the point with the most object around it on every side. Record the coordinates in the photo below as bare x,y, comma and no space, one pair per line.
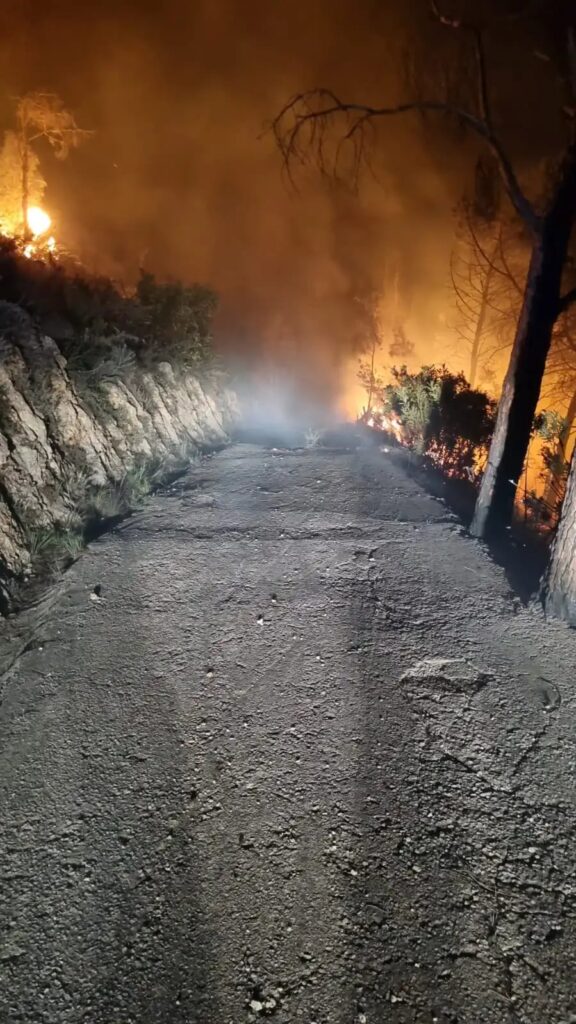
11,184
303,127
39,115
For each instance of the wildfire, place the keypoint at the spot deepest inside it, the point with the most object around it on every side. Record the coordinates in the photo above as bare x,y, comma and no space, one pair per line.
39,221
387,422
39,224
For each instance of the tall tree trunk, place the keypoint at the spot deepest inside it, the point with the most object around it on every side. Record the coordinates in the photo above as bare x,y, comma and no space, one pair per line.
521,389
559,589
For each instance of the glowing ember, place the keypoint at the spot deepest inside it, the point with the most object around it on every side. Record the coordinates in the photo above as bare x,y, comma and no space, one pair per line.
387,422
39,222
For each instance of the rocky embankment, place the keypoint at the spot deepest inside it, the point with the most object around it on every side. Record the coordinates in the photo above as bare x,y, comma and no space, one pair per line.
75,447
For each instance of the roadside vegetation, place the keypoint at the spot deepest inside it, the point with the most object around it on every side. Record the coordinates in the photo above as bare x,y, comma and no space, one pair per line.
439,416
102,329
95,508
113,344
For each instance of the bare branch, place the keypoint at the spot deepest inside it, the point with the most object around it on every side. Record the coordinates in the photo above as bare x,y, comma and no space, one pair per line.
311,112
490,261
504,259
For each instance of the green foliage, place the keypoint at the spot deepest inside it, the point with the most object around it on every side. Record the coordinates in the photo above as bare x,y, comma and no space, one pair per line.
413,397
124,495
550,425
93,359
554,430
442,416
54,548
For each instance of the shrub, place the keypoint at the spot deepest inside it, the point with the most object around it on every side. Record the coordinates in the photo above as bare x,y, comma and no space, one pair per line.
177,318
125,494
54,548
312,437
93,358
158,321
442,416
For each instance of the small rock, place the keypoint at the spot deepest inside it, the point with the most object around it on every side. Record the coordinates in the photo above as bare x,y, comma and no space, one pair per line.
444,675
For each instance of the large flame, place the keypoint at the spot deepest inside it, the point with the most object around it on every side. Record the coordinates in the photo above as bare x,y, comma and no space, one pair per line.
39,222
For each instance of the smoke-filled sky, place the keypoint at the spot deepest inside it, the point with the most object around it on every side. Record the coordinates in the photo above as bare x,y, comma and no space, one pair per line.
182,177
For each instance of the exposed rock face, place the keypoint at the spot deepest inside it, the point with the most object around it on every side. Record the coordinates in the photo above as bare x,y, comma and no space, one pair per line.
61,435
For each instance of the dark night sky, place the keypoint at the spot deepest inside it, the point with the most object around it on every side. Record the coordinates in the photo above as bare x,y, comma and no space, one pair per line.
179,173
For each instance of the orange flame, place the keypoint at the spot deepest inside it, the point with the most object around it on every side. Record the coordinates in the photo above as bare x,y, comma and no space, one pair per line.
39,223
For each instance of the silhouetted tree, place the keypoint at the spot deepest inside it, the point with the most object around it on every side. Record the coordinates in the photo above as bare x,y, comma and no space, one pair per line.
485,282
303,127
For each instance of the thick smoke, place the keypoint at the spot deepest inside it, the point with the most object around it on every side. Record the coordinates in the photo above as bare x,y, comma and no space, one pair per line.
182,177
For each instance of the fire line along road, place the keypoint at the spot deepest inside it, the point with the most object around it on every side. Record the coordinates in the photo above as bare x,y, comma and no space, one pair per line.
299,756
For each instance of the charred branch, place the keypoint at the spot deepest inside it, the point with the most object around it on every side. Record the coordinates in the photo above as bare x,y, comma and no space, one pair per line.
301,128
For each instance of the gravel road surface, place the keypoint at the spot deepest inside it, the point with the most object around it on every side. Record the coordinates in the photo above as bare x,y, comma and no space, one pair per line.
302,757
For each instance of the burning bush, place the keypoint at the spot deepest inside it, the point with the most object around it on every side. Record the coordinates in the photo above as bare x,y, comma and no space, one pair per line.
441,417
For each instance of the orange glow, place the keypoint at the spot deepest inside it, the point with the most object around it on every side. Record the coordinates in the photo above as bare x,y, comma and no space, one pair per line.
388,423
39,222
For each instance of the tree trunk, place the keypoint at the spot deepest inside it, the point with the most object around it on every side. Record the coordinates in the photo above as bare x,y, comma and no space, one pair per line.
559,588
521,389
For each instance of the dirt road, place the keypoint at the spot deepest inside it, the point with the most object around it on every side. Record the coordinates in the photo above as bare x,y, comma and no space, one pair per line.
305,759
